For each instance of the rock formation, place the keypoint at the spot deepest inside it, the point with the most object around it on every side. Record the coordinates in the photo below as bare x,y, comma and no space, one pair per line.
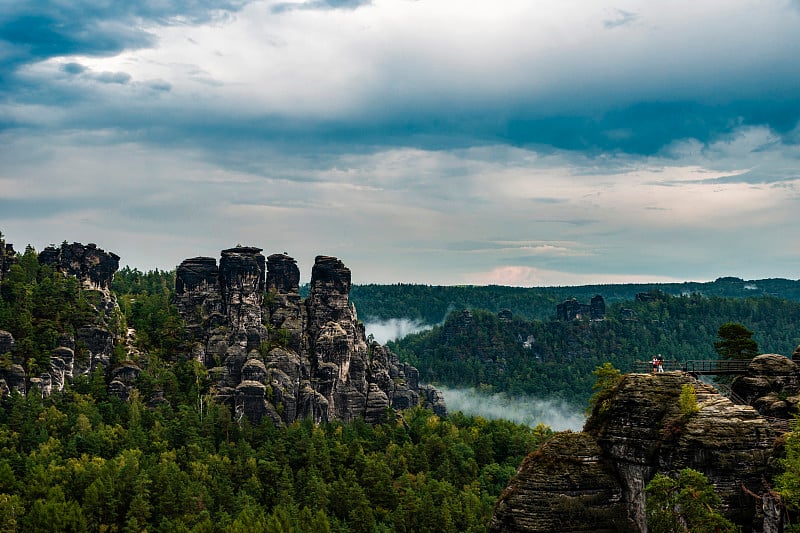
12,376
637,433
567,485
274,355
572,309
93,266
771,385
93,343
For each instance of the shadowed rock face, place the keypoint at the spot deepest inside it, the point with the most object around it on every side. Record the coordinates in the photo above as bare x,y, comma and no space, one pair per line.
274,355
639,433
6,342
283,276
566,486
241,280
93,266
771,385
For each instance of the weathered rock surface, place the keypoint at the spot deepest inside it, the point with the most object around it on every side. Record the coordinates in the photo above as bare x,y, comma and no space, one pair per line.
93,343
567,486
93,266
274,355
6,342
12,379
641,432
771,385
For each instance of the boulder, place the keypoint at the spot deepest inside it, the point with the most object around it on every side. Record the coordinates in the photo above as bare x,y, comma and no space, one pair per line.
770,382
6,342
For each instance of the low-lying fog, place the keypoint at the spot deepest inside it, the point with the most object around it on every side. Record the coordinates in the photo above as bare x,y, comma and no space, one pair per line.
394,328
557,414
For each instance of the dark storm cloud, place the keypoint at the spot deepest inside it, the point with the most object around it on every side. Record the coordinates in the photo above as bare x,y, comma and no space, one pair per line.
32,31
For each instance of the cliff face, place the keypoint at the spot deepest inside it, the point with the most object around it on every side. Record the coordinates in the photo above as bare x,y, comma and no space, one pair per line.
92,343
568,486
94,268
274,355
639,433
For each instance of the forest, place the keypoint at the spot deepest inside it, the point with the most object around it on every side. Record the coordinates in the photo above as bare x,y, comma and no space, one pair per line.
430,304
84,460
554,358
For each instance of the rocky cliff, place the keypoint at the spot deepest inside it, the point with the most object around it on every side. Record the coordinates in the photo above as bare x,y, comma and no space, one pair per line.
92,343
771,385
639,432
272,354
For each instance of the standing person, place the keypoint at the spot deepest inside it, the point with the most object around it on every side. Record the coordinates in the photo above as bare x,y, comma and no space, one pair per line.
655,364
660,359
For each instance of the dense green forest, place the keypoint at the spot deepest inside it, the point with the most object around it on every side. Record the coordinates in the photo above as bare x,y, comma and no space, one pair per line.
84,460
430,303
491,353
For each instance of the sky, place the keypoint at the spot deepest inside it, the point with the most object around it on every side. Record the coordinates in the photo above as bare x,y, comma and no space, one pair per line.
557,142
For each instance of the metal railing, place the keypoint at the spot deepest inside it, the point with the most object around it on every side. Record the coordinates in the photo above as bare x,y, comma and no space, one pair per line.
697,366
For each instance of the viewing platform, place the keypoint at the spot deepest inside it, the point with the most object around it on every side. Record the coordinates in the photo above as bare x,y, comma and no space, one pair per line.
697,367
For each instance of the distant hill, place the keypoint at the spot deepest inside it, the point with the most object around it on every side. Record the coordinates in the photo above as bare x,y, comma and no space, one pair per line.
555,358
431,303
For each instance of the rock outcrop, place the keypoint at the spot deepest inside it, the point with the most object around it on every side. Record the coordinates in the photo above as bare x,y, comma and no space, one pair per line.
572,309
93,266
93,343
771,385
6,342
568,486
273,355
638,432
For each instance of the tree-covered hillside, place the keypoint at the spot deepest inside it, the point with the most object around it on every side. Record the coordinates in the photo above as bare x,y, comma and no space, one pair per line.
170,458
430,303
555,358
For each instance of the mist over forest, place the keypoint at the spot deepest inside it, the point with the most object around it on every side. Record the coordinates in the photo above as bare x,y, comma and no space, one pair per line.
557,414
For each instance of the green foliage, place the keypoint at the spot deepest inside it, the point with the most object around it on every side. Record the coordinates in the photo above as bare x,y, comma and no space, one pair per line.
490,352
38,305
608,378
685,503
74,462
787,483
146,301
735,342
431,303
687,401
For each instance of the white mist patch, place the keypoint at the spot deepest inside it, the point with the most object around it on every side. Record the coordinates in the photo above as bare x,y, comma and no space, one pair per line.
557,414
394,328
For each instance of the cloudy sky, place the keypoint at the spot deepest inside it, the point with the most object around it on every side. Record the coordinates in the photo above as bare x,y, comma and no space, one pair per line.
553,142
